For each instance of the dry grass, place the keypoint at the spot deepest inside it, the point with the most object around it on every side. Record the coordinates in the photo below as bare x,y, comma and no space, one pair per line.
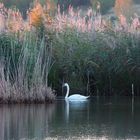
89,21
24,74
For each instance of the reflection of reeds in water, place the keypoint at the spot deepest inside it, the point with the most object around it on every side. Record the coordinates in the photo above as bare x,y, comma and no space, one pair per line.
25,121
74,106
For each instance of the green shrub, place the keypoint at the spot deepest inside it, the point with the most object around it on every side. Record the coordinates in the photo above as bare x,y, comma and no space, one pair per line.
106,62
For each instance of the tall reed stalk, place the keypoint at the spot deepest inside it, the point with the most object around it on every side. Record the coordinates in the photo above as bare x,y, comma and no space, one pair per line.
24,68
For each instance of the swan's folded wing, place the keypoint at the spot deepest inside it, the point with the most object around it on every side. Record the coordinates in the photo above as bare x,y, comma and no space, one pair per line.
77,97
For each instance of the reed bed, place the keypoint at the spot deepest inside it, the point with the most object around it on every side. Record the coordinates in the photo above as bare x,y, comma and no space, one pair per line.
93,53
24,68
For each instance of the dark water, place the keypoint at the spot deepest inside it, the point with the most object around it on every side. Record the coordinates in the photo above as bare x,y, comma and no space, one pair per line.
103,118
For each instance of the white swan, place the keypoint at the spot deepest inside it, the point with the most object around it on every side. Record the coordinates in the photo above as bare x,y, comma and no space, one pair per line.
75,97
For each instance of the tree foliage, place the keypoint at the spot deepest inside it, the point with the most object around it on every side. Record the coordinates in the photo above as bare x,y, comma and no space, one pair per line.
123,7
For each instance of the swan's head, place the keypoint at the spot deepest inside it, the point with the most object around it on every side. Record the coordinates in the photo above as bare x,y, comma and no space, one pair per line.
65,85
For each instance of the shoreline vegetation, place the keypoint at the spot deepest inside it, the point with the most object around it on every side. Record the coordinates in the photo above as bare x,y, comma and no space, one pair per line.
94,54
24,67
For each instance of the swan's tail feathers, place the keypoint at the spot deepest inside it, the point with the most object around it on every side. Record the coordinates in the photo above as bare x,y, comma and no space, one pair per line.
87,97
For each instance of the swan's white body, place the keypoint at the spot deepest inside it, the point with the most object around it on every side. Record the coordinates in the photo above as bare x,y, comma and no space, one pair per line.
75,97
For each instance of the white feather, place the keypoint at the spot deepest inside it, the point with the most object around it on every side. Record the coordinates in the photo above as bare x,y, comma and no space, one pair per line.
75,97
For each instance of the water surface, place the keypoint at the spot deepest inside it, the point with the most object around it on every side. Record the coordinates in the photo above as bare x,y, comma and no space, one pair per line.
98,118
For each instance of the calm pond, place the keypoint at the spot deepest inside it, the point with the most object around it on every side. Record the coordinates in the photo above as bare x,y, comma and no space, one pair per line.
98,118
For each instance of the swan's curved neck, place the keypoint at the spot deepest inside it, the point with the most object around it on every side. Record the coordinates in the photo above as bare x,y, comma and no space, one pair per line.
68,89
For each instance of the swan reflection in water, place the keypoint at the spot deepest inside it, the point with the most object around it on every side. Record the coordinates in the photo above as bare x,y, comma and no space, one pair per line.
74,103
75,109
